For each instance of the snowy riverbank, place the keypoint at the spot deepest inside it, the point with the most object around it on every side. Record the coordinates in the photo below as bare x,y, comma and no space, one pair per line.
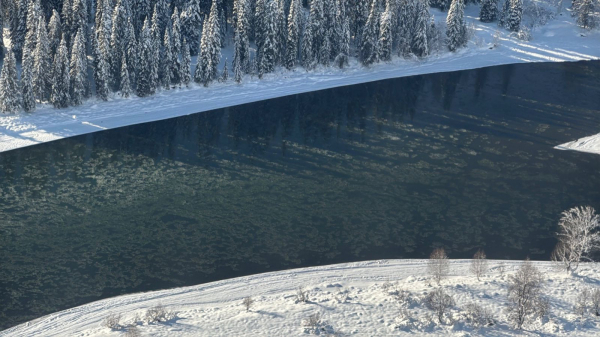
589,144
351,298
557,41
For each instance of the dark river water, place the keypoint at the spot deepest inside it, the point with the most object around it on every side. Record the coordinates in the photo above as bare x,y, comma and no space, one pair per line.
390,169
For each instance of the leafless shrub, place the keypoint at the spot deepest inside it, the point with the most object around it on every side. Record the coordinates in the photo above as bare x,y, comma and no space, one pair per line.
537,13
525,295
157,314
247,303
112,321
132,331
439,302
524,34
478,316
582,302
438,266
301,295
496,38
578,237
595,301
479,264
312,324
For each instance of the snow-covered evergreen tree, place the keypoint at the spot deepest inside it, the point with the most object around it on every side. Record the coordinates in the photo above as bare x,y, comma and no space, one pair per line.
79,19
504,14
102,68
10,96
175,47
308,58
281,38
27,94
586,10
78,69
269,45
186,62
489,10
419,45
456,27
18,28
385,33
131,49
515,13
359,12
145,86
157,41
225,73
293,37
166,60
210,49
343,25
60,85
54,32
66,18
1,31
34,13
42,61
368,48
117,43
243,30
237,63
125,86
191,22
317,25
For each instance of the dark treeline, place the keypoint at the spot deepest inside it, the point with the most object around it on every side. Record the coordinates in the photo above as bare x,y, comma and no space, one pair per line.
70,50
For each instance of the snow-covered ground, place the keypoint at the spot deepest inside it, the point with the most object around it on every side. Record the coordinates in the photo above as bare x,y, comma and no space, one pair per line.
352,299
559,40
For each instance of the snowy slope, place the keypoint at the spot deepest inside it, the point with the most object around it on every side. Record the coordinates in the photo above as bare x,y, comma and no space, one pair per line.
589,144
215,309
559,40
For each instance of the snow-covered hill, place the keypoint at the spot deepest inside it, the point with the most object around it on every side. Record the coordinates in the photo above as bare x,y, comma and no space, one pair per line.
559,40
353,299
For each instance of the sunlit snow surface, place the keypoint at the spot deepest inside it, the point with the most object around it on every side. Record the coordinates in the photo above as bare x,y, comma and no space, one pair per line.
560,40
215,309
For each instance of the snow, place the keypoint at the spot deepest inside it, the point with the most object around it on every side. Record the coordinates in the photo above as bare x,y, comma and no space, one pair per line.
215,309
589,144
557,41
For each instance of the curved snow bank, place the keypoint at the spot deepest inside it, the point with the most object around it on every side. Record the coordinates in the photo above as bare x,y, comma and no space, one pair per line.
350,297
589,144
560,40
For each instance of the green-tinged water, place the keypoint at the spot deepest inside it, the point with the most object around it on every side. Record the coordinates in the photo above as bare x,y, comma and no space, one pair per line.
389,169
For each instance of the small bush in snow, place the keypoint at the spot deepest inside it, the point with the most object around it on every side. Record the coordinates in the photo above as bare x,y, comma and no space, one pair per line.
247,303
525,299
312,324
479,265
478,316
438,266
132,331
524,34
582,302
439,302
112,321
301,295
157,314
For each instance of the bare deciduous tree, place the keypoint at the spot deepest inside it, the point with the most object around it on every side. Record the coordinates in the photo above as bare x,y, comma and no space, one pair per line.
438,266
479,264
439,302
578,237
248,302
525,295
112,321
301,295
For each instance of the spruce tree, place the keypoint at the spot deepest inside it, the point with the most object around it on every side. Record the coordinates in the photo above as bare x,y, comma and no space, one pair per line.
79,19
419,45
489,10
78,71
131,49
18,28
341,59
368,48
54,32
308,57
318,28
27,93
10,98
385,34
505,14
456,27
1,32
166,60
66,15
34,13
585,14
515,14
359,14
186,62
237,63
60,85
269,46
102,68
404,25
225,73
243,30
293,36
210,49
191,22
125,84
145,85
175,47
42,61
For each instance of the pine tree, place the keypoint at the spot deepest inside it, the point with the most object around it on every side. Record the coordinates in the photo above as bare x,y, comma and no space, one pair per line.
125,84
145,85
10,98
406,13
60,85
489,10
293,37
269,45
79,19
210,49
175,47
308,58
18,28
368,48
419,45
166,60
243,29
341,60
317,26
78,72
385,34
225,73
66,18
359,14
34,13
131,49
515,14
456,27
54,31
186,62
191,21
237,63
42,77
505,14
117,43
102,68
27,85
